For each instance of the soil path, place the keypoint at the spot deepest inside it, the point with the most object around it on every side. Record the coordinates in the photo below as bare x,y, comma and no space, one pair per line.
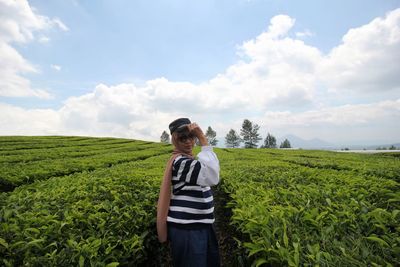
230,254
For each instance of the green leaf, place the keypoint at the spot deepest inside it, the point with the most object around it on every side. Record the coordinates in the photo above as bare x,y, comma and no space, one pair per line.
52,244
321,215
7,214
96,243
109,249
394,213
3,243
36,243
16,244
35,230
285,239
72,243
81,261
296,253
254,251
318,256
329,202
260,262
291,262
378,240
112,264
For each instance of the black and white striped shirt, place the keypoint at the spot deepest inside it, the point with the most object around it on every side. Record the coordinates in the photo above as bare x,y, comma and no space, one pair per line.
192,200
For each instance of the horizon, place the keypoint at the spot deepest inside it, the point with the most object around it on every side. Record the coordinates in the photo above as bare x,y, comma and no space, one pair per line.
127,69
279,140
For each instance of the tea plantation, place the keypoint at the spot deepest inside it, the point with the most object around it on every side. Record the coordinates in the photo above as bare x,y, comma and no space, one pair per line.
82,201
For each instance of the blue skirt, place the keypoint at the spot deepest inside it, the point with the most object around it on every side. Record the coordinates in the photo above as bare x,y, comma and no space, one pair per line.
193,246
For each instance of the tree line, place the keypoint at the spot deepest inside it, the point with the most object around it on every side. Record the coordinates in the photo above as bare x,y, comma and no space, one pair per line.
249,136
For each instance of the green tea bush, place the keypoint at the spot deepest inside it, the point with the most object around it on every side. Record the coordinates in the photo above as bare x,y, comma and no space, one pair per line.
102,218
16,174
295,215
81,201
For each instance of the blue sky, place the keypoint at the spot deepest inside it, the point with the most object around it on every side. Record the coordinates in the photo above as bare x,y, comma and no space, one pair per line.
139,64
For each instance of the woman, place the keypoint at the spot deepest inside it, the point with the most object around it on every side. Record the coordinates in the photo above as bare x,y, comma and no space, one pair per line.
186,216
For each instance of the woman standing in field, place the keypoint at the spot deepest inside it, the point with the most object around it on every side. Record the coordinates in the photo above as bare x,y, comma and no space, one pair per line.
186,216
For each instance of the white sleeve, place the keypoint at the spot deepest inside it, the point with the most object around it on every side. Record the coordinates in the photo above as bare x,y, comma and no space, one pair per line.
209,171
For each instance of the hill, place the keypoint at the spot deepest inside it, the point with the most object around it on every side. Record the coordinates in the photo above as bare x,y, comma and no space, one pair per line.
91,201
298,142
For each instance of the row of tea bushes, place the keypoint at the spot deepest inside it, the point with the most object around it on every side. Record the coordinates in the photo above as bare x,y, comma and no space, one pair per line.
291,208
27,155
101,218
16,174
294,215
14,144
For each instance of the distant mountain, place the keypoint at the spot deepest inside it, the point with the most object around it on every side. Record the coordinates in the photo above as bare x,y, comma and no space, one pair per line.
298,142
315,143
372,147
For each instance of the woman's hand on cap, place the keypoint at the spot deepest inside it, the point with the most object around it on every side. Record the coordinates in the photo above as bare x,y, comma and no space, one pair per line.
195,129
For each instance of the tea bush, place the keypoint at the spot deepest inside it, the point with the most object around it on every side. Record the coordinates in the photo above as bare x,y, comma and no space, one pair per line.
81,201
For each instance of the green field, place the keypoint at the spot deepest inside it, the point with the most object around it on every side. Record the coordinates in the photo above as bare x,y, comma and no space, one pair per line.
81,201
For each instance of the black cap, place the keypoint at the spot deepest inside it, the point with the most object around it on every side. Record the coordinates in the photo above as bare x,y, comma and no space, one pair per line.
178,123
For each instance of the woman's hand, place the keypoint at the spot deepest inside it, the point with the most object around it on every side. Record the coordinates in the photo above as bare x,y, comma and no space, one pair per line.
195,129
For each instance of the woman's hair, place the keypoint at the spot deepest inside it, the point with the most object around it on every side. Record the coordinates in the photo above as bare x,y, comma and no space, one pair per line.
174,138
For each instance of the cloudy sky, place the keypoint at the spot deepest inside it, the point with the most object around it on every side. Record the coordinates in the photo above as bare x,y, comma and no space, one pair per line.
314,69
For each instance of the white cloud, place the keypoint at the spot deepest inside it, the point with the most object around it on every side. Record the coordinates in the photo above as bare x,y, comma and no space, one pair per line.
18,121
305,33
274,70
19,24
346,115
18,21
56,67
57,22
95,114
44,39
340,124
11,83
280,25
275,77
368,58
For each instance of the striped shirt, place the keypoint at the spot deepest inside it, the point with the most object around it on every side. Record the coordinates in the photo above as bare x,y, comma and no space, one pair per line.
192,199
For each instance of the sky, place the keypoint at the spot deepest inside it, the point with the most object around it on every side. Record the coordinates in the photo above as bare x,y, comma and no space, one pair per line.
313,69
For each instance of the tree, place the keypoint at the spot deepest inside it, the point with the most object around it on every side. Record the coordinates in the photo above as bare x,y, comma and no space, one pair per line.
270,141
250,134
232,139
211,134
285,144
164,138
